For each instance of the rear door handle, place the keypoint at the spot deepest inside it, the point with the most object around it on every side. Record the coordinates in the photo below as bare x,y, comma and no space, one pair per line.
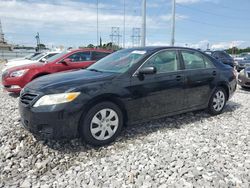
214,73
178,78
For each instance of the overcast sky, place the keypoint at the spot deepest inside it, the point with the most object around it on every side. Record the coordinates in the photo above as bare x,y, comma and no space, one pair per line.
221,23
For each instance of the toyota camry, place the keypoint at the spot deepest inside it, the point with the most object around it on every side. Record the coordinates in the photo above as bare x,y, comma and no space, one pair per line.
127,87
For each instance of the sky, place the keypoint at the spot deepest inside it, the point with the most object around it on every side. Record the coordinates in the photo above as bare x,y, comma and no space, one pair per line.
72,23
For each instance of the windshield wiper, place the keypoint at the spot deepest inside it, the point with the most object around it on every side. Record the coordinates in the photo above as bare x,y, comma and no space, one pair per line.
95,70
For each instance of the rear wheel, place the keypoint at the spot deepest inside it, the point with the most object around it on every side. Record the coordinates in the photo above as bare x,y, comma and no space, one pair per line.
217,102
102,124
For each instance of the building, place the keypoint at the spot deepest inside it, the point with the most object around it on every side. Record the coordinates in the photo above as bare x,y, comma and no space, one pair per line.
3,44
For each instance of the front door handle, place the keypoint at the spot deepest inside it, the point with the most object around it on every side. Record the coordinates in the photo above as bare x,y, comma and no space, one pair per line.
214,73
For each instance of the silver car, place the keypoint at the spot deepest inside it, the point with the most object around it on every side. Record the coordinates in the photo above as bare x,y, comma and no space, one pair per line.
242,64
244,78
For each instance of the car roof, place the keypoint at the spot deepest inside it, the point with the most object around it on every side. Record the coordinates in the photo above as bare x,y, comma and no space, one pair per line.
91,50
156,48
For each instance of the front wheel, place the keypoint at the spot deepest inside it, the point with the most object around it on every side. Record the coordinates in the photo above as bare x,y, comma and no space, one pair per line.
217,102
102,124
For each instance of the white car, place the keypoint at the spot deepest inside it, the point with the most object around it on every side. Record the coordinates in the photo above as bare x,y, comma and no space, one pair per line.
39,58
25,57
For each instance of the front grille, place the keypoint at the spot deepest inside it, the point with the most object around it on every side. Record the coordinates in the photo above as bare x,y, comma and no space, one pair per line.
28,98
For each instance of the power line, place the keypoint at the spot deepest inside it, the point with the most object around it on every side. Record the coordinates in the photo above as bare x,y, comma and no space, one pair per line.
210,13
214,25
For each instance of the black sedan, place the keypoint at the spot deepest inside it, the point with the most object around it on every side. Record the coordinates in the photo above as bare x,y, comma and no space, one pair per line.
244,78
222,56
126,87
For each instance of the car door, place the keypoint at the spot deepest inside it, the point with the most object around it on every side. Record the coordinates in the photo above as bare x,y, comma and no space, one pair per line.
160,93
200,74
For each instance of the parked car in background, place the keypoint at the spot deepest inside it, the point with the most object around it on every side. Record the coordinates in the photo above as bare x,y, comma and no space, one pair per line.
222,56
242,64
38,58
126,87
244,78
241,56
25,57
15,78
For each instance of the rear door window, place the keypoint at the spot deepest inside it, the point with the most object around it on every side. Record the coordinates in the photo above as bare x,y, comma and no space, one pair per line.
99,55
195,60
80,56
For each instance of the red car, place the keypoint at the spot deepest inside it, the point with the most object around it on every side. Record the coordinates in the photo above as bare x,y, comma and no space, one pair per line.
15,78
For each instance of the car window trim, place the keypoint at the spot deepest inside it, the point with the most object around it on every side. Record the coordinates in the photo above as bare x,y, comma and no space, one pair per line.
178,61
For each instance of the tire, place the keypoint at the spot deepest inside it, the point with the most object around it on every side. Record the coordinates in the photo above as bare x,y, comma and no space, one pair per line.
101,124
217,101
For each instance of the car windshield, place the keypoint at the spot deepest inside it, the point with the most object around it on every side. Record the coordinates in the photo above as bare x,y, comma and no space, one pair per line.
118,62
38,57
54,57
31,56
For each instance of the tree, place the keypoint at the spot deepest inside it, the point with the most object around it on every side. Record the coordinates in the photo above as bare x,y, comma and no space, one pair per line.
90,46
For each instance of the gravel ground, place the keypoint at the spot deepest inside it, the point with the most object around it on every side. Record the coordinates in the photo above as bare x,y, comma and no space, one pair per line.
189,150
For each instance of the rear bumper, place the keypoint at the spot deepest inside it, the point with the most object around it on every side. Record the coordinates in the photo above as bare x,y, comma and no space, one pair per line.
232,88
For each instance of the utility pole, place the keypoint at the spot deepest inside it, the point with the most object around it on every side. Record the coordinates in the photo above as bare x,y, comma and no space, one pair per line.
97,23
124,22
173,23
38,41
143,32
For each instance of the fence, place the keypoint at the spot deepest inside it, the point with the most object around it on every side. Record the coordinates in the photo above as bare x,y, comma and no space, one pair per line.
13,54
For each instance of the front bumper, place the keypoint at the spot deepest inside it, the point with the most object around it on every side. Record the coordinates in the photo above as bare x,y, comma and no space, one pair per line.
51,122
13,84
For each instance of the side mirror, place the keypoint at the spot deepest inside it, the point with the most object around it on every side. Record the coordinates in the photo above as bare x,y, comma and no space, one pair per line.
147,70
66,61
43,60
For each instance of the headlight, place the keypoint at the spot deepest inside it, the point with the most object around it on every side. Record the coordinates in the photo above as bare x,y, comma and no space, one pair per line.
56,99
18,73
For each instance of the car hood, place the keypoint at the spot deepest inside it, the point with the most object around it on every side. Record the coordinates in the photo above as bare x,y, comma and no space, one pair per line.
21,67
66,81
18,63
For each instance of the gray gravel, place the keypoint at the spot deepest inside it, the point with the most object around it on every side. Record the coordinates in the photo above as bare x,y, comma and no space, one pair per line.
189,150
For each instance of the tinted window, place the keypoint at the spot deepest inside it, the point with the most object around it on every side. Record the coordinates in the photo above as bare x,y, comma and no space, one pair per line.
195,60
165,61
80,56
99,55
